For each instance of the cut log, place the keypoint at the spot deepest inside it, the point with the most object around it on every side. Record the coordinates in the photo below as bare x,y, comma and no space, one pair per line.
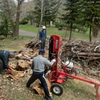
40,90
22,64
90,58
88,54
34,55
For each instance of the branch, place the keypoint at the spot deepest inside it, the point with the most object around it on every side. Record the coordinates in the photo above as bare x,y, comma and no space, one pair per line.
96,47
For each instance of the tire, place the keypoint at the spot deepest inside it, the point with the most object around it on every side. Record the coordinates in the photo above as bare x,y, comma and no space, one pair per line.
57,89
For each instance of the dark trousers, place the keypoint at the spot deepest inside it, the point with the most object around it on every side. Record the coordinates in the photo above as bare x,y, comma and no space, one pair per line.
43,44
40,76
1,66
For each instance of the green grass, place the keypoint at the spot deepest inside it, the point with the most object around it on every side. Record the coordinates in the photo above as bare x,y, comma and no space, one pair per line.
13,44
54,31
80,89
29,28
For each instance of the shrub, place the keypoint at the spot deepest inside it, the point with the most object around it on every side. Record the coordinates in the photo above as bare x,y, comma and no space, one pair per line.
4,30
23,21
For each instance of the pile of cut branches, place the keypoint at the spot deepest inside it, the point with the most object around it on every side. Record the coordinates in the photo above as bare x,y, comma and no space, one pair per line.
85,53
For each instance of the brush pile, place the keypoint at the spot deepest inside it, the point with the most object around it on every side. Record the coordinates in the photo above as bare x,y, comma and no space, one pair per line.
84,53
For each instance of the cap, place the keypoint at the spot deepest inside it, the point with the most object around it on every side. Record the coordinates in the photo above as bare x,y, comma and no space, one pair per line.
43,27
42,51
11,54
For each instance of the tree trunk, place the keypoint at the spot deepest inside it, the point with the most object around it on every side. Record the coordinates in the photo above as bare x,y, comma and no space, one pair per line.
70,32
17,22
6,26
90,36
95,32
12,27
30,19
50,23
17,19
42,1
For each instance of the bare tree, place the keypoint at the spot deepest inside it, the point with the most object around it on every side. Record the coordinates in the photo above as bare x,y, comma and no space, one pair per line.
11,9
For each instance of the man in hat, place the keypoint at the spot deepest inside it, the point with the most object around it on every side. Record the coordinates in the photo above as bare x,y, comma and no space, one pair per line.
38,66
4,58
42,37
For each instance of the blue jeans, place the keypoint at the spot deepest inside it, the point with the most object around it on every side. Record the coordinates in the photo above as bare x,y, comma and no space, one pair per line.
40,76
1,66
43,44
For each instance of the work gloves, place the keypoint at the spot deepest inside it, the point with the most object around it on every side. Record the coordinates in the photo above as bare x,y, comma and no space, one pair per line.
54,60
9,71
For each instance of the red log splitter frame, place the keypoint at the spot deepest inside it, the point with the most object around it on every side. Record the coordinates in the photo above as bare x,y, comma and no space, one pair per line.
57,77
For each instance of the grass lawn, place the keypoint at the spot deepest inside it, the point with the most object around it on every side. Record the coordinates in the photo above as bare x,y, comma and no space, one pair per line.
29,28
14,44
54,31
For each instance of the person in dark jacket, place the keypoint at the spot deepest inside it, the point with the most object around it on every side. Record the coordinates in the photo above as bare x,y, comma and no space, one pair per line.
4,58
38,67
42,37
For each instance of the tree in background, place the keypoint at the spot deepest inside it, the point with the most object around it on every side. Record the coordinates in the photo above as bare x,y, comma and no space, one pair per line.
45,10
27,9
38,12
11,10
91,15
72,13
3,23
5,29
30,17
82,12
50,10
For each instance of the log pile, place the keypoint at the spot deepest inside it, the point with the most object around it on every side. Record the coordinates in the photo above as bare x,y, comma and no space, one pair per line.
36,44
26,54
22,68
33,44
82,52
85,53
21,64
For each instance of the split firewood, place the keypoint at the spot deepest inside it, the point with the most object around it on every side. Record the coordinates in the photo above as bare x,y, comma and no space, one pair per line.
12,66
19,56
0,87
29,62
22,64
39,89
27,56
34,55
12,77
33,99
16,75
